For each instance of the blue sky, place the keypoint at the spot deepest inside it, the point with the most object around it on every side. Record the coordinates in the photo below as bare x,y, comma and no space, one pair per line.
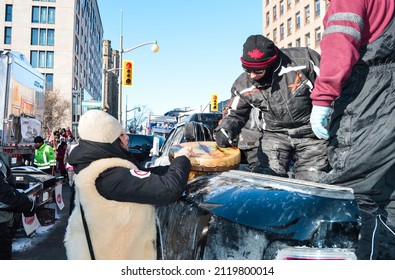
200,47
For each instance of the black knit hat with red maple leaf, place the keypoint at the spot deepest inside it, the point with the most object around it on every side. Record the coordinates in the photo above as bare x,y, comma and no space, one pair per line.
258,53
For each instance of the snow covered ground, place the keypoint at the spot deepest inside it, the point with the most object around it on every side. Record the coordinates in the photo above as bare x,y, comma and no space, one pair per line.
23,243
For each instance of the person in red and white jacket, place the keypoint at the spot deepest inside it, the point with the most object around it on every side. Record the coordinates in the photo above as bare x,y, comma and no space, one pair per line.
355,95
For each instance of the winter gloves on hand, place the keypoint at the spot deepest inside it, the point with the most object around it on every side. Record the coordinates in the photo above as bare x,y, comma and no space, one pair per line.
222,138
32,210
319,120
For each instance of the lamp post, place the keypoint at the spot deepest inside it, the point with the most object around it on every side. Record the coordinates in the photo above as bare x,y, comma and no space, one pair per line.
154,48
127,111
78,97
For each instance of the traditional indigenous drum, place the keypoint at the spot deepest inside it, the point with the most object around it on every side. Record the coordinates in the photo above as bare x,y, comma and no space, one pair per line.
209,157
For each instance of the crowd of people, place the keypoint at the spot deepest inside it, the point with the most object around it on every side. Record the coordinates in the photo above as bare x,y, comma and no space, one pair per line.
51,153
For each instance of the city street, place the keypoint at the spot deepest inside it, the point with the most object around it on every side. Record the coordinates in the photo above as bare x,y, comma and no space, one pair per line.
47,243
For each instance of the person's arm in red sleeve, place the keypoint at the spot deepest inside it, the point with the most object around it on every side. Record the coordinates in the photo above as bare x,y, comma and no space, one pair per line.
340,44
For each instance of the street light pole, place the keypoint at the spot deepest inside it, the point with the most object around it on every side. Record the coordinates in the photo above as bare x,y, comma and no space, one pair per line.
154,48
120,72
127,111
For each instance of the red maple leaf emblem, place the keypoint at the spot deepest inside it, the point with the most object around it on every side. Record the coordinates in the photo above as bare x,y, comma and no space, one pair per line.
255,54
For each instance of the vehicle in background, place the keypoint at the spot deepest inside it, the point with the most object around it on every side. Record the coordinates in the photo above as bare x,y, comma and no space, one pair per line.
22,93
243,215
140,146
161,125
194,127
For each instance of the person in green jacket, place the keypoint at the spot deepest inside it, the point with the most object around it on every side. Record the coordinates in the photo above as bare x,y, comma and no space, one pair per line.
44,156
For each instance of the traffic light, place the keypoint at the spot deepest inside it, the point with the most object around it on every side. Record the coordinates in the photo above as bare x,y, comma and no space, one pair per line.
214,103
127,73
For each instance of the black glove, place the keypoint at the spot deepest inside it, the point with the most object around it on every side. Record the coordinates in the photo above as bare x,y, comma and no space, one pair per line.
32,210
222,138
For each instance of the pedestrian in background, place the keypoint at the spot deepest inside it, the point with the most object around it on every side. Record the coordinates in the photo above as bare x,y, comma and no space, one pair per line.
114,196
71,144
60,155
44,156
357,83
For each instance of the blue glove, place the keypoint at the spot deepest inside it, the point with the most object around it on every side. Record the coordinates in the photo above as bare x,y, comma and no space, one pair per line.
319,120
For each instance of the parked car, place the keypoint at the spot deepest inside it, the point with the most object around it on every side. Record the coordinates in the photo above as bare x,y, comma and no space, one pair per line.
242,215
195,127
140,146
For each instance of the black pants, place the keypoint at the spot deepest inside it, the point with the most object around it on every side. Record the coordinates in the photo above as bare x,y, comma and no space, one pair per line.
309,154
377,238
72,198
5,241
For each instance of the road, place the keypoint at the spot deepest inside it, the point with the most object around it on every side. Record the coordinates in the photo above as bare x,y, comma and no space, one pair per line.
47,243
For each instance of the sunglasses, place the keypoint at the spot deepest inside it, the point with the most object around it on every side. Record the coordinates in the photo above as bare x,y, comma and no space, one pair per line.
260,72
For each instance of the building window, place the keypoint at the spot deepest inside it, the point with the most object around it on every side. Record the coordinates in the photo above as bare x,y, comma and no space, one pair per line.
307,14
267,2
36,14
297,21
297,43
8,12
307,40
49,60
274,13
7,35
43,15
281,7
42,37
78,7
76,45
34,37
275,35
77,25
34,58
289,3
317,7
267,19
42,59
51,15
317,36
48,81
289,26
289,45
282,31
50,37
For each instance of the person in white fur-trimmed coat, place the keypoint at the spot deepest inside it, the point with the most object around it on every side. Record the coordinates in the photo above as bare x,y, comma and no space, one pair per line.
117,196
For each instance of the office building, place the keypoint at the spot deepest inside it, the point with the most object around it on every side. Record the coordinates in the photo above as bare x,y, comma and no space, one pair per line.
294,23
63,40
110,79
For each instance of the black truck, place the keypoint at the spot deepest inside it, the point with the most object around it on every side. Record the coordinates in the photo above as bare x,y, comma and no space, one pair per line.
241,215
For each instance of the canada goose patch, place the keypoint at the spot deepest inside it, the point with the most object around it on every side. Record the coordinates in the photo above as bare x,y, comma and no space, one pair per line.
140,173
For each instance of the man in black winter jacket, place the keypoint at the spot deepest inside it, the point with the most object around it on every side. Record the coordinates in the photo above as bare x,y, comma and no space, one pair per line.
279,83
11,201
